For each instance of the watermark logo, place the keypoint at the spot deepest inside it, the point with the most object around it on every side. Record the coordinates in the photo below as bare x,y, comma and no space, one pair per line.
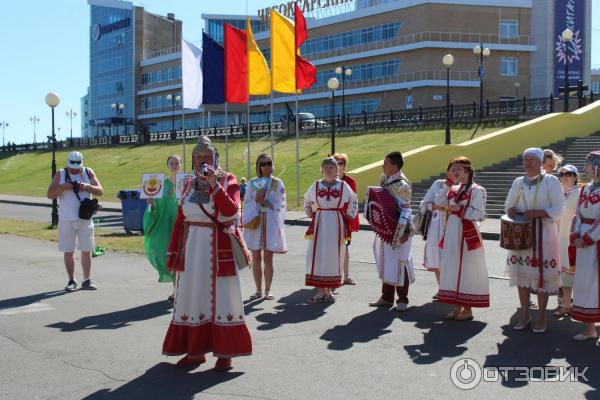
466,374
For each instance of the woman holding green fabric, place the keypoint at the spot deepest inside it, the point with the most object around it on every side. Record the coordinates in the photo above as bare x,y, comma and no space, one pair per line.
159,219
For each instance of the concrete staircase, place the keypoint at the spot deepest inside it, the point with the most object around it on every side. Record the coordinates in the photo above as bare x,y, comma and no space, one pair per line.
498,178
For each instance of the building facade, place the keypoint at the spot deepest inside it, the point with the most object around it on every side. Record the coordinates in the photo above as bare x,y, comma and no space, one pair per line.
393,48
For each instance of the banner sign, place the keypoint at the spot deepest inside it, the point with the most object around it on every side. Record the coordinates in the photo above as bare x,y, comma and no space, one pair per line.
568,14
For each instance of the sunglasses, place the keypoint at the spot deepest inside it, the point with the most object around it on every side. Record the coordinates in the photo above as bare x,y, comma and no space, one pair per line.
561,174
74,162
266,164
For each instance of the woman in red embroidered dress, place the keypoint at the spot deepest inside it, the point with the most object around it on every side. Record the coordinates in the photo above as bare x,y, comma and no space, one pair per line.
585,236
331,204
464,276
208,314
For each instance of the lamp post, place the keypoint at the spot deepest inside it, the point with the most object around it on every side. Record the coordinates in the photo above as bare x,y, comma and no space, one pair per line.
170,98
52,100
333,84
448,60
71,114
34,120
345,72
567,35
118,107
4,125
517,86
481,54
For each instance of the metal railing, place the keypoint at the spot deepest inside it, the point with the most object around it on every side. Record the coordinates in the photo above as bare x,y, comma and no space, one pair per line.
515,110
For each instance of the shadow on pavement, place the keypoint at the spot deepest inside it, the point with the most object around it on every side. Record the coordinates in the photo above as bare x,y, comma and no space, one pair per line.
165,381
361,329
292,309
27,300
116,319
250,306
554,348
444,339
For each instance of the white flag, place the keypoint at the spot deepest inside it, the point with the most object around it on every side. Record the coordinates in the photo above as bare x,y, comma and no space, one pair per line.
191,74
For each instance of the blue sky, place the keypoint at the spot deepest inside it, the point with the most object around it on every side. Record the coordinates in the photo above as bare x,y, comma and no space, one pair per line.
45,48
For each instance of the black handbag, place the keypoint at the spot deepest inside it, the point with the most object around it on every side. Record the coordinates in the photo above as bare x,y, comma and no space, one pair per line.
87,207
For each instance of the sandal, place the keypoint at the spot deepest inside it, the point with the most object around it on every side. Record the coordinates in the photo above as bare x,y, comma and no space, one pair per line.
256,296
349,281
454,313
317,298
329,297
561,312
269,296
464,316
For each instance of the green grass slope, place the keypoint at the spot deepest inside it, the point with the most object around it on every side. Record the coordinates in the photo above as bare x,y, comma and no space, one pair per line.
121,167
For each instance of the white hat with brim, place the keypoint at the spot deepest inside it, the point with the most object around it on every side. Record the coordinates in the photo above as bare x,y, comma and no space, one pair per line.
569,168
75,160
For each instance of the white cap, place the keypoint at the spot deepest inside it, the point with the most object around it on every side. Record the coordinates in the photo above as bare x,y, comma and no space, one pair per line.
569,168
75,160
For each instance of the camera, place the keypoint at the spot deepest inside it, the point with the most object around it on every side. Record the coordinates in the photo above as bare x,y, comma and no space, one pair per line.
75,186
203,169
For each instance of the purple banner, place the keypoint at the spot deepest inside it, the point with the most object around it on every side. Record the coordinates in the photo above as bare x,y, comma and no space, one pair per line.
568,14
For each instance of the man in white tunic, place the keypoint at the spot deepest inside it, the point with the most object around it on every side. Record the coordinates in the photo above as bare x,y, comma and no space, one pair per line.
394,261
539,197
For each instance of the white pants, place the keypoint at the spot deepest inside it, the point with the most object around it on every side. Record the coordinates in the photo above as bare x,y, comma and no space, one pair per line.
78,233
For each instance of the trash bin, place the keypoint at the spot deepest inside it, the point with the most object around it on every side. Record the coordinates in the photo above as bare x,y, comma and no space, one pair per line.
133,209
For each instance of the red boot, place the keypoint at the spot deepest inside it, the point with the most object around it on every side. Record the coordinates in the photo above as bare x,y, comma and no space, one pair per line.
223,365
187,361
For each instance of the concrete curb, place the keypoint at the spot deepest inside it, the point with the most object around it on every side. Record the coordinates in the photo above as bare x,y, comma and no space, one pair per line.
293,222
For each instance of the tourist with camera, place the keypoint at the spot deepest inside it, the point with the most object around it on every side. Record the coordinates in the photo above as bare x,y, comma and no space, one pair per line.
74,186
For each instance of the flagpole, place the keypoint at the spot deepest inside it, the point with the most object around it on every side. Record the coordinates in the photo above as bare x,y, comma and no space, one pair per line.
271,120
297,156
226,140
183,127
248,133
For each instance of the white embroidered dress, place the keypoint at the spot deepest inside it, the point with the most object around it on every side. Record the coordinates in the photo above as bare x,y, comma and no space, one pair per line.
392,261
208,314
564,227
437,194
327,234
270,232
538,267
586,286
463,271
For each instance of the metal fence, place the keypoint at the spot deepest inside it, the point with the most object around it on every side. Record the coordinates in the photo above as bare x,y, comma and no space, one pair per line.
516,110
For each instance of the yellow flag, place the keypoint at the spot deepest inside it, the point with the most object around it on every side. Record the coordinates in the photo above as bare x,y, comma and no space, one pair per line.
259,78
283,53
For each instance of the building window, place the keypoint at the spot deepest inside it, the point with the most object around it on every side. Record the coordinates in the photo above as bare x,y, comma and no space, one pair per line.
596,87
509,66
509,29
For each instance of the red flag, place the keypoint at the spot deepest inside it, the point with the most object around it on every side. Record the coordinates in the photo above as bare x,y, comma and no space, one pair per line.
236,65
306,73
